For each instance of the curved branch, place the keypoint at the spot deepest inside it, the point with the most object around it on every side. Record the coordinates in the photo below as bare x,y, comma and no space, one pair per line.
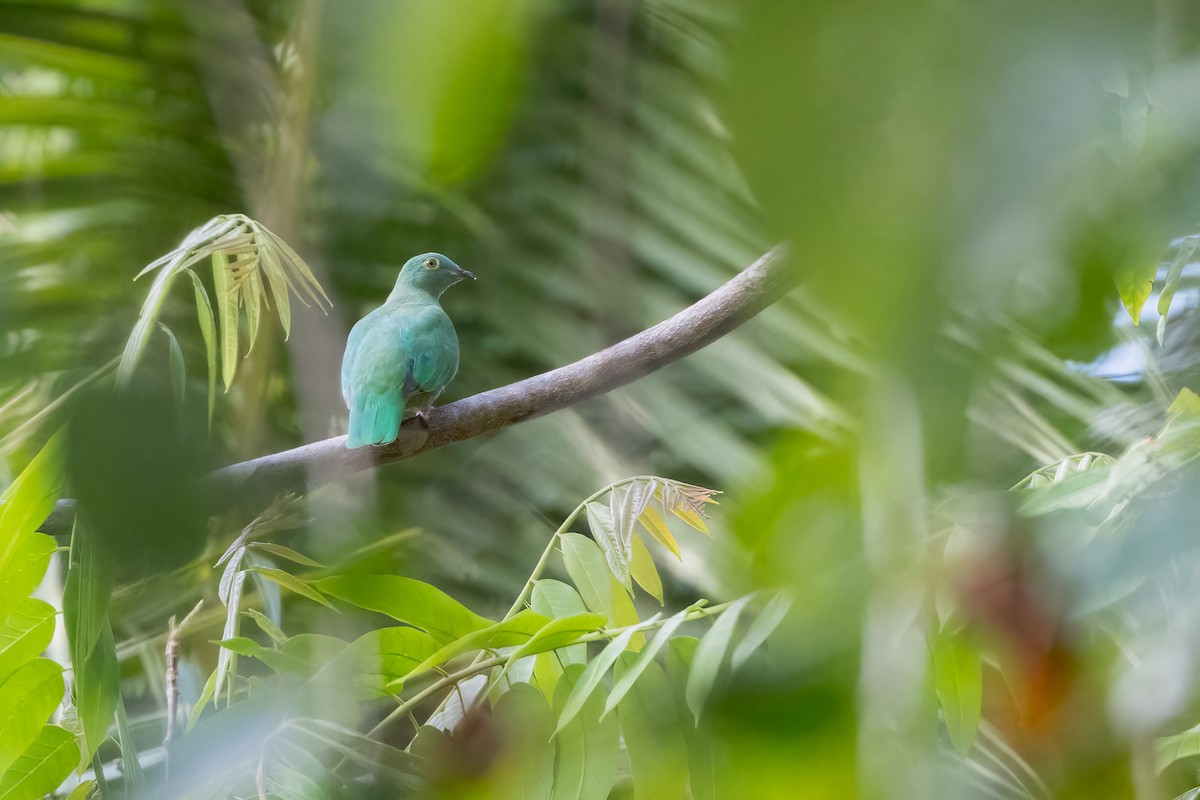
311,465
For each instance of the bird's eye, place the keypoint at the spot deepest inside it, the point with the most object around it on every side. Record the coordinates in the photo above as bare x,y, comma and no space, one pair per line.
432,263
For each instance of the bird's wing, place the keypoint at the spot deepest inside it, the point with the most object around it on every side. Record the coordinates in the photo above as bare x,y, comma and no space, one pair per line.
389,358
432,346
352,348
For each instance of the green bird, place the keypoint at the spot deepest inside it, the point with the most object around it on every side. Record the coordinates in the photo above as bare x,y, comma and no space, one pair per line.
400,357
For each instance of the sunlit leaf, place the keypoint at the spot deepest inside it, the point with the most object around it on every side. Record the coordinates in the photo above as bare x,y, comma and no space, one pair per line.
1135,281
642,568
406,600
656,526
24,635
22,566
42,767
27,699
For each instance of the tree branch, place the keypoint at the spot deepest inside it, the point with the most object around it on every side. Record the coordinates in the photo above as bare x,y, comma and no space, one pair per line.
312,465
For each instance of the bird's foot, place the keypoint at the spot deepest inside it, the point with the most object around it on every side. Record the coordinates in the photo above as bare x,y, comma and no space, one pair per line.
423,417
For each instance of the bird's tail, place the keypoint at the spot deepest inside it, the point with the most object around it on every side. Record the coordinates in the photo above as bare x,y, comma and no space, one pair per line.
374,419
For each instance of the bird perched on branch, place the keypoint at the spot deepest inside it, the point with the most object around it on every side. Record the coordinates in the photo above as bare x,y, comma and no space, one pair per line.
400,357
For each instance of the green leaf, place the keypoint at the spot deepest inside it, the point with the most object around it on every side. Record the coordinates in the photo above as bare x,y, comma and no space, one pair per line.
527,723
277,282
618,551
227,310
594,673
24,635
286,553
639,662
83,791
651,727
251,291
304,654
97,689
512,632
958,681
210,688
589,572
241,645
87,592
625,612
557,634
681,655
1170,749
204,313
407,600
28,500
1135,281
268,627
710,657
27,699
762,627
377,658
42,767
96,684
134,780
1181,252
291,582
556,599
642,568
177,367
588,748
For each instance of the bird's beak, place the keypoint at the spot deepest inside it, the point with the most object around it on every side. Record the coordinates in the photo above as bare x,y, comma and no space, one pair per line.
466,273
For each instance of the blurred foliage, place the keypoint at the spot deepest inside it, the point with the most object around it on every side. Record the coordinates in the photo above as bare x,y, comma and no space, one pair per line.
965,447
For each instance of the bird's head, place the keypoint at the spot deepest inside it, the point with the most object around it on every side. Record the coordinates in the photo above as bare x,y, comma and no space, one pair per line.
433,272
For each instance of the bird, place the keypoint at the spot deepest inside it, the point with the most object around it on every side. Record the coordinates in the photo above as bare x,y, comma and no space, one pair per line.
401,356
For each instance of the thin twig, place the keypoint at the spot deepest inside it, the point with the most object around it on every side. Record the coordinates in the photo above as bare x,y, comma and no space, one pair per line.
758,286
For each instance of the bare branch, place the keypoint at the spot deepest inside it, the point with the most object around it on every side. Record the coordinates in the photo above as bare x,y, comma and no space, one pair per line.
311,465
